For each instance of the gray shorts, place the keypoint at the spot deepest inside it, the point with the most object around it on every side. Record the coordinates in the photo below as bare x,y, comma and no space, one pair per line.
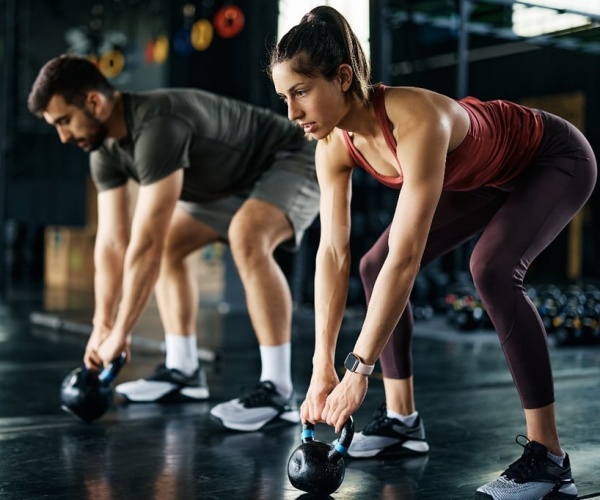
290,184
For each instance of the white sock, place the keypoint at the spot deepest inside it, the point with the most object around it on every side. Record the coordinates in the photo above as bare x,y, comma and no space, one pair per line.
182,353
408,420
276,367
556,459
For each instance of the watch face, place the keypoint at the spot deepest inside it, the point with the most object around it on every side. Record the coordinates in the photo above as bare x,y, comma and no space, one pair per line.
351,362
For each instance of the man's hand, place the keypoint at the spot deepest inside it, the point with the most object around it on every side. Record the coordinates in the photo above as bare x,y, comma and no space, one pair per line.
91,357
344,400
112,347
319,389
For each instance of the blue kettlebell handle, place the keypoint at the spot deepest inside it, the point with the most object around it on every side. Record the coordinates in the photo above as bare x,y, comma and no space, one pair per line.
340,446
109,373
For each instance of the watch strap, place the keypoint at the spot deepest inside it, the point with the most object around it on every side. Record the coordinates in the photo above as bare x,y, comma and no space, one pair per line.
354,364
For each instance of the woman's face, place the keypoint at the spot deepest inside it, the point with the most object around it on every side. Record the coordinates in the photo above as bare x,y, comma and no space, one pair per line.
315,103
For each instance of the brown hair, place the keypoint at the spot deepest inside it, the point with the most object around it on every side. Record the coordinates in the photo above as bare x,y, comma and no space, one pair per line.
71,77
319,45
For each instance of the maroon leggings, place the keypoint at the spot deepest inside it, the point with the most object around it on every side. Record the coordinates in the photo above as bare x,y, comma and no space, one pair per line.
517,223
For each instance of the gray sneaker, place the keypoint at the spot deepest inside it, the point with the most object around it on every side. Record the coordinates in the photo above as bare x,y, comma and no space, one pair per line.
257,408
533,476
166,385
385,436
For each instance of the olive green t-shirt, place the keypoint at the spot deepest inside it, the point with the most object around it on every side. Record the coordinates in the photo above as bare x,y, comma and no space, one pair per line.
223,144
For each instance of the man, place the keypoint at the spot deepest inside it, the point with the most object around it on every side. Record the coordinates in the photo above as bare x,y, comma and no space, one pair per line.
210,169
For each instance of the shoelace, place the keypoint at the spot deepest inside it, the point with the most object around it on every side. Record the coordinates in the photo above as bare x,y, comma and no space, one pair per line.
164,374
260,394
161,372
379,418
522,468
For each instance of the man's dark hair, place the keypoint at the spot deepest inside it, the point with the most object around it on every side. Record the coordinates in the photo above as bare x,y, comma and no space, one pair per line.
71,77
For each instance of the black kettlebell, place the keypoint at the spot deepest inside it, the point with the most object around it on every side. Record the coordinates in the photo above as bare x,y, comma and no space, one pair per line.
87,394
317,467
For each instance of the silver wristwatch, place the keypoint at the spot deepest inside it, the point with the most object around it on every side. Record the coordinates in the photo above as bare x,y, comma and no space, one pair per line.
354,364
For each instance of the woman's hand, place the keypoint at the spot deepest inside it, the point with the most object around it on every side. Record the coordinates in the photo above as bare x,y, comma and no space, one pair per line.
320,387
344,400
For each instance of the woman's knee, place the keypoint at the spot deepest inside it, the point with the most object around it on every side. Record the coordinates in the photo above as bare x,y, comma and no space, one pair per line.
491,275
369,266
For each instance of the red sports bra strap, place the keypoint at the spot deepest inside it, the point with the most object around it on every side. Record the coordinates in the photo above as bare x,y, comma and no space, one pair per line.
382,117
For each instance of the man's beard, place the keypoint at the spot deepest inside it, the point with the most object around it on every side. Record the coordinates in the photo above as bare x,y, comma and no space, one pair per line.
98,132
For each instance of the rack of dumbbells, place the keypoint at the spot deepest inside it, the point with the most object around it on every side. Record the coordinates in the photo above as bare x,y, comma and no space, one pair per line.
464,309
570,313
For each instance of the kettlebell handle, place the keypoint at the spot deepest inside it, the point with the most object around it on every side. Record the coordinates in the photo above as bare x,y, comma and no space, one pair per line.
108,374
340,446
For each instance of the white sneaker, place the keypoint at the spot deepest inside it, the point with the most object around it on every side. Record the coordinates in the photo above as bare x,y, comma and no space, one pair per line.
166,385
384,436
255,409
533,476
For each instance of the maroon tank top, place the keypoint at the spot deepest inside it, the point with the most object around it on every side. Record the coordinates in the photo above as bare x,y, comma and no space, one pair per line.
502,140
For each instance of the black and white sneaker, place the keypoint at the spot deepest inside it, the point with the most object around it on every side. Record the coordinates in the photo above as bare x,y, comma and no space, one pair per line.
255,409
534,476
385,436
166,385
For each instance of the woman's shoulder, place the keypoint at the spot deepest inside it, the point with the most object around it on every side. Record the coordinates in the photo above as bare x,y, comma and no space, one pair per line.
414,96
334,150
416,103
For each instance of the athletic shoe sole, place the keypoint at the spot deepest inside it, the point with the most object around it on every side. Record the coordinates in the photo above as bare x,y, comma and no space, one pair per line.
406,448
569,492
187,394
286,418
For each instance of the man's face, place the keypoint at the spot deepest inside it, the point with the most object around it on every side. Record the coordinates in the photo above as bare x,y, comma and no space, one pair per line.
75,124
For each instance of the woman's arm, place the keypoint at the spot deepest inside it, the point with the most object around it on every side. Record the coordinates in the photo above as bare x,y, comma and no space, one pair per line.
332,268
422,144
422,149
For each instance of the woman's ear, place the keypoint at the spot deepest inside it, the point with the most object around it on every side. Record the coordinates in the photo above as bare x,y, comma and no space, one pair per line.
345,74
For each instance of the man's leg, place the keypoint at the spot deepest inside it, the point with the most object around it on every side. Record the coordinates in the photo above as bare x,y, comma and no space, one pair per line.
254,234
176,292
282,205
177,289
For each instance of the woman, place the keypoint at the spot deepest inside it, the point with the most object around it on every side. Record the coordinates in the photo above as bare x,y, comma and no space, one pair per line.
518,175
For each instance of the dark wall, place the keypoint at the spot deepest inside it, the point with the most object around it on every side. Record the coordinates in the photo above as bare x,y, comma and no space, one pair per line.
231,66
43,182
46,179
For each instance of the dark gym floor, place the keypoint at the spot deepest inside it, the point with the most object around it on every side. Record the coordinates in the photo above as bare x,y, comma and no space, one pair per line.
464,393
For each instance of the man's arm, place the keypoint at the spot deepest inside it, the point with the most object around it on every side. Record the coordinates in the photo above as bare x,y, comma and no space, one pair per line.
112,238
154,208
